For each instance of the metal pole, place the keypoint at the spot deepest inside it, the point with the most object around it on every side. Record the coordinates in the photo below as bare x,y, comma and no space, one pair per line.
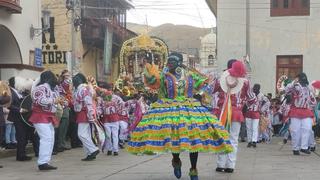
248,33
248,27
73,37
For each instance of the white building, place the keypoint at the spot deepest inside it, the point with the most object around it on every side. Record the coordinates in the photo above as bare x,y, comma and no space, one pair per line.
279,36
208,53
17,46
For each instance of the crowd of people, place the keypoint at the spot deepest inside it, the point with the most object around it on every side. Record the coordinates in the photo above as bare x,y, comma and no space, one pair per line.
101,117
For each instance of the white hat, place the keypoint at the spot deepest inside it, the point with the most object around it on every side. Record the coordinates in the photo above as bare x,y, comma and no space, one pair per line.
233,84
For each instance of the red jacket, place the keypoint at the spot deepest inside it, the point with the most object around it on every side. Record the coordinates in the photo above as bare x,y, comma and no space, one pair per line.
237,100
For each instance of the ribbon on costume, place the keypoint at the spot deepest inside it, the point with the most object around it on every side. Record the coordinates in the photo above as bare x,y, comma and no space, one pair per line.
98,134
138,117
226,113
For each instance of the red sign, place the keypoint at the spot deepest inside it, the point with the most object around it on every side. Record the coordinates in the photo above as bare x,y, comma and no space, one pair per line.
12,6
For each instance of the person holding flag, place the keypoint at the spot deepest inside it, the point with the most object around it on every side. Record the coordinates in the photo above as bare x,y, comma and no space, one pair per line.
232,91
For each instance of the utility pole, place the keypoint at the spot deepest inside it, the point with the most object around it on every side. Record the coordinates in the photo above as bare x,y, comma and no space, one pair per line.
73,5
73,39
248,50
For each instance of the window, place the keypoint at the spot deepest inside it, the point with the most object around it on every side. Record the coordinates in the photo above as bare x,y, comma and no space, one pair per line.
210,60
290,66
275,4
289,8
286,4
306,3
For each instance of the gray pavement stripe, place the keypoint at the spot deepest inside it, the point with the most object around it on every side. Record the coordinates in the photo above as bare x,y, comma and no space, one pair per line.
132,166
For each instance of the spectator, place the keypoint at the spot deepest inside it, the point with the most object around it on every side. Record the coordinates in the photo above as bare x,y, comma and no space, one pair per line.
11,142
2,128
276,116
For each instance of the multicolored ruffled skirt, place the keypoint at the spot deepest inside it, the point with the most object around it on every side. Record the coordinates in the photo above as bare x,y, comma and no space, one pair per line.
173,126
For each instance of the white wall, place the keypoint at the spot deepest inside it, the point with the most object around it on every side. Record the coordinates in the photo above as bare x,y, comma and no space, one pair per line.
269,37
19,25
5,74
231,39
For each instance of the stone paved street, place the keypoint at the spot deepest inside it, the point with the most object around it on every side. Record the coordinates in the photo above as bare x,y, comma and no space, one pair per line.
267,162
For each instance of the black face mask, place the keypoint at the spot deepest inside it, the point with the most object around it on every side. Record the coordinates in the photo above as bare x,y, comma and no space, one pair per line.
256,91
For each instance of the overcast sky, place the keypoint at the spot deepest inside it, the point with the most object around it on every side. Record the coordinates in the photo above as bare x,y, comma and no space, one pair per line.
186,12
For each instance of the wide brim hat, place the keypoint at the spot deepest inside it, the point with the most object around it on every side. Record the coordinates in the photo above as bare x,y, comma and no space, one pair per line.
231,84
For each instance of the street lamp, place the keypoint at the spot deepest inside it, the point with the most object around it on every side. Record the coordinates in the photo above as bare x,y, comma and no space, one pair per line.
46,25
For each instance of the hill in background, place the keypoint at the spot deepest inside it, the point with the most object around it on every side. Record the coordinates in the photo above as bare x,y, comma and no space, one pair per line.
182,38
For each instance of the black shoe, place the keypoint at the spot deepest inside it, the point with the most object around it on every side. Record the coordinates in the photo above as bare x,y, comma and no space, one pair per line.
46,166
66,148
60,149
228,170
115,153
10,146
306,151
249,145
24,158
219,169
109,153
88,158
312,149
94,154
243,140
254,144
285,141
296,152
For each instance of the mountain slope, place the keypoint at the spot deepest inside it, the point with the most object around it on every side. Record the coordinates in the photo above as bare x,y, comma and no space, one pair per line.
181,38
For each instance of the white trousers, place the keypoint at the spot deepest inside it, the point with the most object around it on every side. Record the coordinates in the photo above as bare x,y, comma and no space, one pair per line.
112,131
46,134
300,133
84,134
252,129
123,130
312,142
229,160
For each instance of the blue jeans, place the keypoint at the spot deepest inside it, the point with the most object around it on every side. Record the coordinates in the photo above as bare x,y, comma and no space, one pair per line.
10,133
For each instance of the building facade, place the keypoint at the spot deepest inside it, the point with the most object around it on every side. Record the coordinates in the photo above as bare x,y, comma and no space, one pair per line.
208,53
19,51
280,37
94,40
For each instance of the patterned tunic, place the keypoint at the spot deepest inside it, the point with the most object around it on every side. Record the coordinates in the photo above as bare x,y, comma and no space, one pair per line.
258,106
108,110
83,104
43,106
303,101
237,100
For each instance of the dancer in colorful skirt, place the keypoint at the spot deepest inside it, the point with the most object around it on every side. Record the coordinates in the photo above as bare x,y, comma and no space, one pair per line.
177,122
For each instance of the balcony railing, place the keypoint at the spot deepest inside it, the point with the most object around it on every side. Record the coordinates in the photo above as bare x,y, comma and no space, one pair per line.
12,6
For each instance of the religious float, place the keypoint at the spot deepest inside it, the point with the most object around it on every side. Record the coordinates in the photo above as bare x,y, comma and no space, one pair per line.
134,54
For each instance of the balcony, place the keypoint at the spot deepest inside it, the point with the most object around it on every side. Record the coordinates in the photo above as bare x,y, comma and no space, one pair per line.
12,6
